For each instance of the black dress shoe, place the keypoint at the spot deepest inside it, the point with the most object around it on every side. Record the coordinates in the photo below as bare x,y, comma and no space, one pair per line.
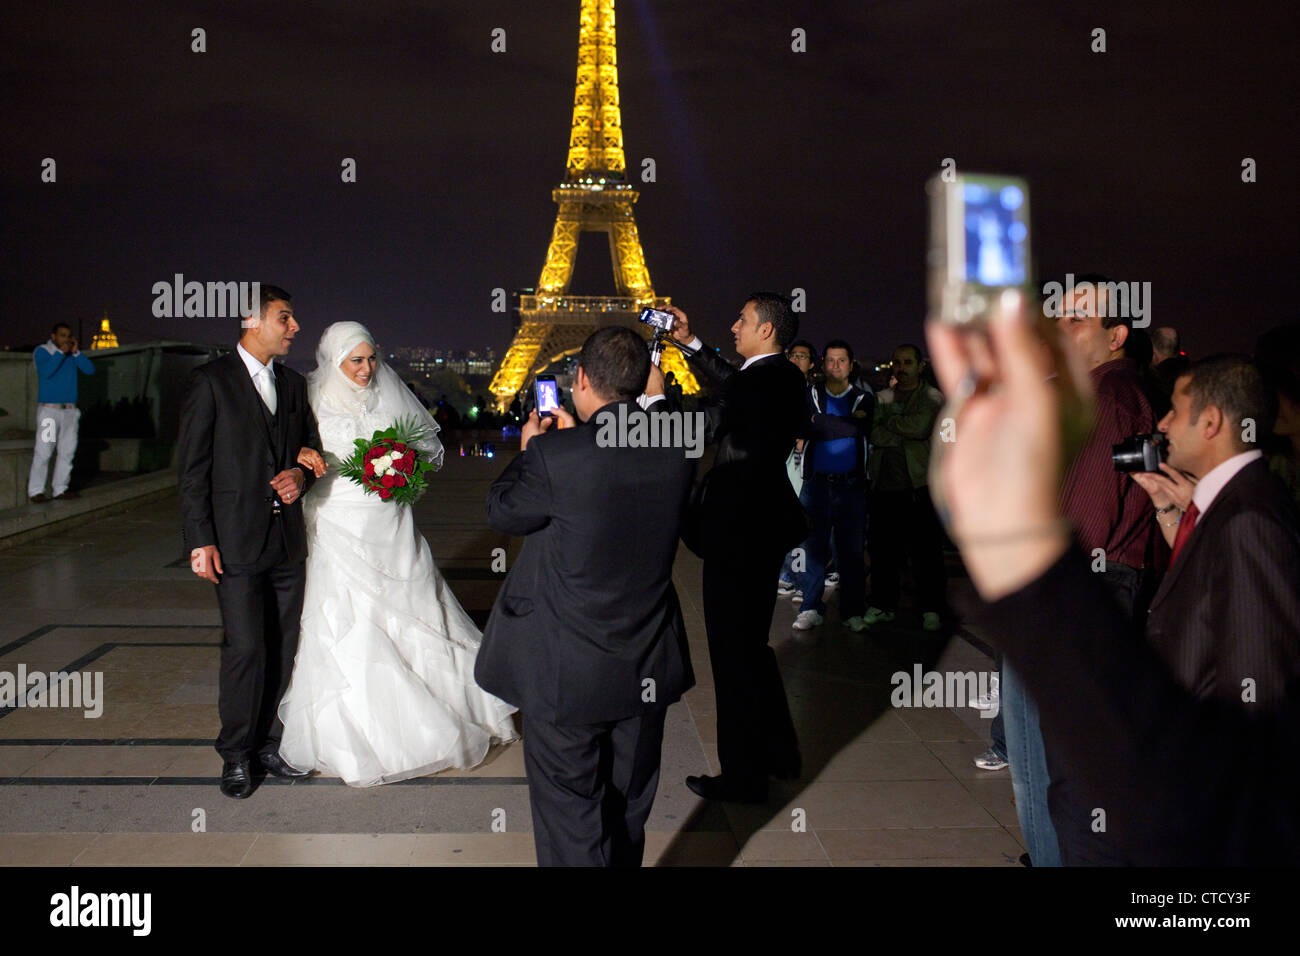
236,779
715,788
276,767
787,770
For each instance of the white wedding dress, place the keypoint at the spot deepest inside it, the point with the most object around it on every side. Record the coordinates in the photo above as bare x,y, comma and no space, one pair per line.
383,684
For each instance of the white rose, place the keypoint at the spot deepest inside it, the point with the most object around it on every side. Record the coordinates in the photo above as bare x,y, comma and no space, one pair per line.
382,463
395,455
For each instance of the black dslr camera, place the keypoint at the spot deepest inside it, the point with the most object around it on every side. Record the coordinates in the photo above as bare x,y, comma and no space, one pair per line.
1139,453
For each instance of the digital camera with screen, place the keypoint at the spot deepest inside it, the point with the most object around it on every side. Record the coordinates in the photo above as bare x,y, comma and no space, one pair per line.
979,243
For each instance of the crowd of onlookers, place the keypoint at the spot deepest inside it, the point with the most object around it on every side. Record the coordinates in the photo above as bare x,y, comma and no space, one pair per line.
1221,609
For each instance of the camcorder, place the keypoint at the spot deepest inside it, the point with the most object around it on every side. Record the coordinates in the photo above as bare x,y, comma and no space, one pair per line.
662,323
658,319
1139,453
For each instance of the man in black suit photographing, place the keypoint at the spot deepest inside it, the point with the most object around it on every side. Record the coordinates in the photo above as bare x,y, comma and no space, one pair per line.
243,423
1226,618
742,524
586,636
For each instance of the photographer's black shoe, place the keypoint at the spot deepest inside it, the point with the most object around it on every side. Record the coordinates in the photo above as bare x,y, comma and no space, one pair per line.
716,788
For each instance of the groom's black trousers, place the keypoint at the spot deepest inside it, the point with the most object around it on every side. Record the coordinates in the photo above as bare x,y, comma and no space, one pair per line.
260,608
591,788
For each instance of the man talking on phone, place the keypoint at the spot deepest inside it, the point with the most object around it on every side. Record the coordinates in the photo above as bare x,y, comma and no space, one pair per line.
586,636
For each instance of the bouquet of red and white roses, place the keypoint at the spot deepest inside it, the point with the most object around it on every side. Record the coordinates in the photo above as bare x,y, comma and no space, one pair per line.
389,465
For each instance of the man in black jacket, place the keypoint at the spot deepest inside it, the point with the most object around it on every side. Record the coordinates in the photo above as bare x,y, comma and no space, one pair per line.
1172,778
747,518
1226,618
586,636
835,488
243,423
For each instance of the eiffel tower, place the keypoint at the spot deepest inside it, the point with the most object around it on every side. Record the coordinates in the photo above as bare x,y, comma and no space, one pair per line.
594,197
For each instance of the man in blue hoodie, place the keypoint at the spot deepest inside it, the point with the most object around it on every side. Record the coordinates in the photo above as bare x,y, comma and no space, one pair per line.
835,488
58,363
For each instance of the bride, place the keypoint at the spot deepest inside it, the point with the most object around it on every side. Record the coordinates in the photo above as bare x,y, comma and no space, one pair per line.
383,685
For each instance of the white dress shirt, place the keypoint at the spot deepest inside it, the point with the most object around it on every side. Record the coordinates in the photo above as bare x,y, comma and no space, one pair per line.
1208,488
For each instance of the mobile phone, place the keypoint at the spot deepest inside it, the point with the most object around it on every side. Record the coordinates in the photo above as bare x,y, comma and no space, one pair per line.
548,394
979,243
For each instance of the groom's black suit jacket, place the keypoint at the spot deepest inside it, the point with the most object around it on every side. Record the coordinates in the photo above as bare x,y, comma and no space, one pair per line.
588,613
229,450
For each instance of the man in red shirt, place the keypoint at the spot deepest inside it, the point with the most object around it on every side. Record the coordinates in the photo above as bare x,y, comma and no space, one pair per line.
1112,517
1110,512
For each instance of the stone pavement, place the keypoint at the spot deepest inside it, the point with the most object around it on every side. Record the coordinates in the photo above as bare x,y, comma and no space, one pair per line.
882,785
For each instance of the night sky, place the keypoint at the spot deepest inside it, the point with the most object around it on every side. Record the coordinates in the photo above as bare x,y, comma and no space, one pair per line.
775,169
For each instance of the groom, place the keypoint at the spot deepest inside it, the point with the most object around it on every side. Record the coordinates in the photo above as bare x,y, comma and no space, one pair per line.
586,637
242,424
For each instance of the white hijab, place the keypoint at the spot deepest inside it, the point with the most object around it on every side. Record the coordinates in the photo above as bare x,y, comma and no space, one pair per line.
386,397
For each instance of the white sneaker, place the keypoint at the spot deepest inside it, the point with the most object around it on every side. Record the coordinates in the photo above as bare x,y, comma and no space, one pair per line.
785,588
990,700
930,621
875,615
831,581
807,620
796,598
989,760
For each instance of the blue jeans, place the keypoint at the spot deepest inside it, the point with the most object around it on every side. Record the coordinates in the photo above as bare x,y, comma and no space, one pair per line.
998,733
786,573
1029,776
838,512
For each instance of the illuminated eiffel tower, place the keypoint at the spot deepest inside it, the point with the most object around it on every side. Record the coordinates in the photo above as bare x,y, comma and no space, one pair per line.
594,197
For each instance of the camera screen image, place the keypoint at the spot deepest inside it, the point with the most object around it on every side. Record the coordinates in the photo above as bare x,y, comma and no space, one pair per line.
995,234
658,318
547,396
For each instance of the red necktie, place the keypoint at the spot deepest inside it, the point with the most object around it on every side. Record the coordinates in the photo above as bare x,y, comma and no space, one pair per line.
1184,532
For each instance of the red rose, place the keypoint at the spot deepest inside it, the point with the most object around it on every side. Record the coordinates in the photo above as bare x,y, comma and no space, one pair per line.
400,481
370,469
388,481
386,493
406,464
398,446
